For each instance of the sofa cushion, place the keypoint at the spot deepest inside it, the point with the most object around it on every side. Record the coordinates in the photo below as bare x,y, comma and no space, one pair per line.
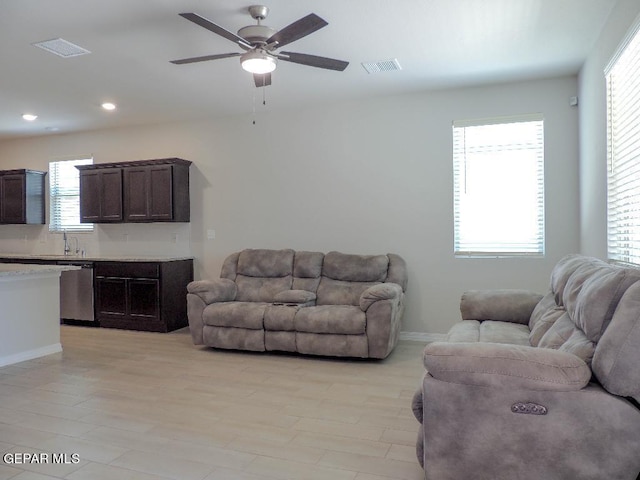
339,292
565,336
507,305
489,331
617,355
307,269
265,263
247,315
337,319
544,323
564,269
355,268
261,289
279,317
542,307
592,303
308,264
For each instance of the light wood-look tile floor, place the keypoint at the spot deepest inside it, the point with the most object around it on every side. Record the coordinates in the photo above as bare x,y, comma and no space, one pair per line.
148,406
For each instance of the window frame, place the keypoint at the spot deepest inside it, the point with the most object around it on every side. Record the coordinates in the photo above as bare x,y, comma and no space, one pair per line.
469,150
623,150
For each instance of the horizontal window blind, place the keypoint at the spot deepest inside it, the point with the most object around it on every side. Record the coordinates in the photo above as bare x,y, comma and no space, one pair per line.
64,193
498,169
623,151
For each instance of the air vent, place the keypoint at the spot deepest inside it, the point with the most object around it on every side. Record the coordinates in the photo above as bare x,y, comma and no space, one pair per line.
382,66
61,47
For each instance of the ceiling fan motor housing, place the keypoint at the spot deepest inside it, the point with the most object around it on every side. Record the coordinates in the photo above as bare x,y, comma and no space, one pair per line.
256,33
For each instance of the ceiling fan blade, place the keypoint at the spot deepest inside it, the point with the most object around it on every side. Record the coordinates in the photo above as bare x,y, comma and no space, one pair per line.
262,79
313,61
297,30
204,58
209,25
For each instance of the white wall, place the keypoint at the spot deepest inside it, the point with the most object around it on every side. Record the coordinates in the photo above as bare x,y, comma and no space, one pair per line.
372,176
593,129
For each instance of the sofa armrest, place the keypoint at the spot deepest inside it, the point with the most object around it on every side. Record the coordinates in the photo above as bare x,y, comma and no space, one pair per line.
380,291
513,306
212,291
506,366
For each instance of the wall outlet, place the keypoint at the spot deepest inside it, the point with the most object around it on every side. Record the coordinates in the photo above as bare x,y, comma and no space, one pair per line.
211,234
125,237
174,237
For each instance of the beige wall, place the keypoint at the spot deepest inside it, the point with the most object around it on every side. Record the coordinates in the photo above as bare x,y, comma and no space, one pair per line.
371,176
593,129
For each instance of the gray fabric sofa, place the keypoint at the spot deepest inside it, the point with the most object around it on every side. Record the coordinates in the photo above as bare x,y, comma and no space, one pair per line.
538,387
307,302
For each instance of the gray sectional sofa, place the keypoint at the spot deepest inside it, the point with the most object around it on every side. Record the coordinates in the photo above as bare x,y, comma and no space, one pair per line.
308,302
538,387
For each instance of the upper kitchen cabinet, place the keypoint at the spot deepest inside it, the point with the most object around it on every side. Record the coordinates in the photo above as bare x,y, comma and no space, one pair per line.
22,197
140,191
100,194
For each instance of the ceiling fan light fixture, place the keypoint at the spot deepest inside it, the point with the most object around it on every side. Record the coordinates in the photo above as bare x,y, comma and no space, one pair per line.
258,62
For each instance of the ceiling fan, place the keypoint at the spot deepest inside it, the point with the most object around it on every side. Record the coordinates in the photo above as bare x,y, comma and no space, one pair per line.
260,43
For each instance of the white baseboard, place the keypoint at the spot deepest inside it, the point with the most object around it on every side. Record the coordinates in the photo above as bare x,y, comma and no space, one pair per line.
30,354
422,337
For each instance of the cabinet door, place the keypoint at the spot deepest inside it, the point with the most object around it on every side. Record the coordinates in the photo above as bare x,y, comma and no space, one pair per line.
101,195
136,194
144,299
90,194
12,206
111,195
161,193
111,298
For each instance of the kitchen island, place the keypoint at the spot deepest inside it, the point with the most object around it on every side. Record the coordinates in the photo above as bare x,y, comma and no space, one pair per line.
130,292
29,311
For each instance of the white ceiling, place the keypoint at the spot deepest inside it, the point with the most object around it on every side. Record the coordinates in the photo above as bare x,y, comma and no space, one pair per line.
438,43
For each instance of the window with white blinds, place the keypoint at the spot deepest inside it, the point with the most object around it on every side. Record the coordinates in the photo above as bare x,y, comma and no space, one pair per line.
498,172
64,191
623,151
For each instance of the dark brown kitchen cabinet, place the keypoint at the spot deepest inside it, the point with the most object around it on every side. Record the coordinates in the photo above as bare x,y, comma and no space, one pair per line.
148,296
101,195
22,197
150,191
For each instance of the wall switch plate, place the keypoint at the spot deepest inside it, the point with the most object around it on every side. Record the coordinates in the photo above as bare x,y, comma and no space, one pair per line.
211,234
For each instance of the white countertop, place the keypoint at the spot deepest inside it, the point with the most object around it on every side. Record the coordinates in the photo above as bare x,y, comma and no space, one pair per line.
15,269
102,258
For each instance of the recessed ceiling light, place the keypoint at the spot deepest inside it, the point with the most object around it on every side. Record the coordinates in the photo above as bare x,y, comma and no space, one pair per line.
29,117
109,106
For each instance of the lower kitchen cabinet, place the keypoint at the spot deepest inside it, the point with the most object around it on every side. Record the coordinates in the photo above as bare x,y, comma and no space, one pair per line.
148,296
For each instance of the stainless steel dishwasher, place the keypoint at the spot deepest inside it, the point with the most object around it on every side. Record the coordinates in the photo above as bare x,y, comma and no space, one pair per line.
76,293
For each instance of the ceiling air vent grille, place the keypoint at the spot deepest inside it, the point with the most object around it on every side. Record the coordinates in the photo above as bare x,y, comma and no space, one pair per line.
382,66
61,47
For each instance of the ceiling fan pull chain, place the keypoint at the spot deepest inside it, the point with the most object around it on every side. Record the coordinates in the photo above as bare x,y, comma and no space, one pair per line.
254,106
264,96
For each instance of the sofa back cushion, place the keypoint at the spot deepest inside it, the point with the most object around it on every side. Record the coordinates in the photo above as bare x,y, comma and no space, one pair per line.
592,299
261,274
565,268
307,270
345,277
617,355
590,296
